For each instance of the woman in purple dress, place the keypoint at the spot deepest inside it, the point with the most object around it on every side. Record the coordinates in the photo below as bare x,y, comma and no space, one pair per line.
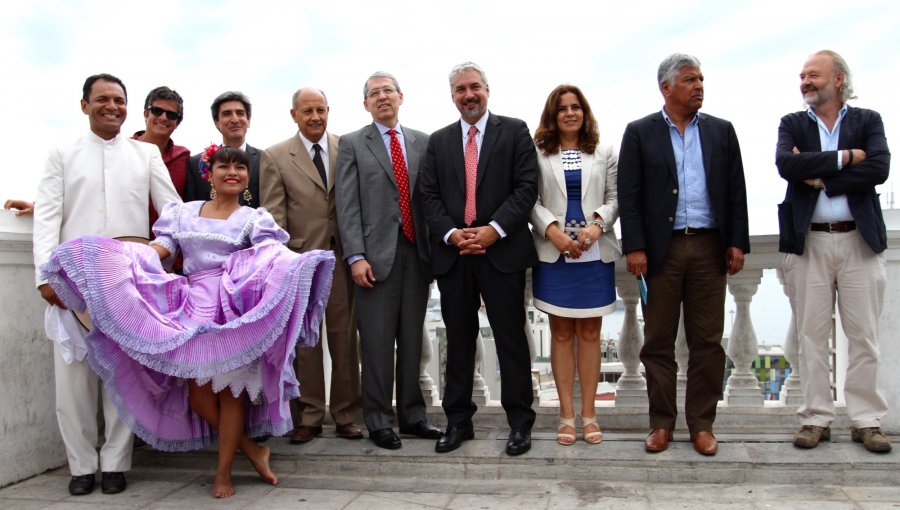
191,358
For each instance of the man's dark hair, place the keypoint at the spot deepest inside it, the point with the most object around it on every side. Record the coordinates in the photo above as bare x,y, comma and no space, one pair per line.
165,93
231,95
89,82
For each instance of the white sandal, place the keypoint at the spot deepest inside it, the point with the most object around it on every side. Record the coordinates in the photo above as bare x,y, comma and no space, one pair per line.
591,437
564,438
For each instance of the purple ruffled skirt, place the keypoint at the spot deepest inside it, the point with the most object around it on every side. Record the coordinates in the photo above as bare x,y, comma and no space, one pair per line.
151,330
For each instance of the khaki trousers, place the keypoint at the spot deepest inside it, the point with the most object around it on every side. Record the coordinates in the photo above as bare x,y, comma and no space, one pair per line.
842,266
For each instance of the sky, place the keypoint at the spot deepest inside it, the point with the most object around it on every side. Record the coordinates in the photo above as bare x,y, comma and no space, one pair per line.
751,54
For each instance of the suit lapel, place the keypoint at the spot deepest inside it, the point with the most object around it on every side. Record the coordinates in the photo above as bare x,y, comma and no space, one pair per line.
304,162
664,140
458,159
706,145
813,142
491,133
332,160
375,144
559,175
587,162
848,127
413,153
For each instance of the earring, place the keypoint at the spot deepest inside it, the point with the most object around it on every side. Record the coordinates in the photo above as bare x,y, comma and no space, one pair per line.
212,193
247,196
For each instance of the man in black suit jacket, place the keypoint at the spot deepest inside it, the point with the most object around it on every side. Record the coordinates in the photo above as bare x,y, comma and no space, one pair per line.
832,231
683,209
231,115
482,251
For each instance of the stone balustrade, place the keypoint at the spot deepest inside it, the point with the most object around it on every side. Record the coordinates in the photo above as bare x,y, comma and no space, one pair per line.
31,443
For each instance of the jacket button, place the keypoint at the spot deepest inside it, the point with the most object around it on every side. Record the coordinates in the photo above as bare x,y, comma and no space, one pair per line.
671,219
675,191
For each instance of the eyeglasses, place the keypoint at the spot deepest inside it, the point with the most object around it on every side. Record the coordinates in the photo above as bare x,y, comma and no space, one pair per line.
377,92
156,110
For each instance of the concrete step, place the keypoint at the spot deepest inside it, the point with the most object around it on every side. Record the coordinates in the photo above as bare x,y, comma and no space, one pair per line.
756,458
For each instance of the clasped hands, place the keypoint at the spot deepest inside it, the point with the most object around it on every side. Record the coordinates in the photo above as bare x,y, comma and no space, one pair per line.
573,248
474,240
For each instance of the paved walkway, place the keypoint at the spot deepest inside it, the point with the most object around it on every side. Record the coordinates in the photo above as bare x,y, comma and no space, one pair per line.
327,474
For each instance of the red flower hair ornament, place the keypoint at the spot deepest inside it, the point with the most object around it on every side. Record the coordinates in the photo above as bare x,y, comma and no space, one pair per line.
204,160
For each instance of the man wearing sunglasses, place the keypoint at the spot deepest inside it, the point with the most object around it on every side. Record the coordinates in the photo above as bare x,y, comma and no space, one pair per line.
231,115
163,112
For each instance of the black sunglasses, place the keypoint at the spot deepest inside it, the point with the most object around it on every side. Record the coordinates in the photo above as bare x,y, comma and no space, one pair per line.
156,110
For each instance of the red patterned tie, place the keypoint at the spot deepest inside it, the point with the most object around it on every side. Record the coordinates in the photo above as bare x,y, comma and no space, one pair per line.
471,174
402,176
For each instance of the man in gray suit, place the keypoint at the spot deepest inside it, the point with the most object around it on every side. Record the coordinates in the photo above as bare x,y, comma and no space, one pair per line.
386,245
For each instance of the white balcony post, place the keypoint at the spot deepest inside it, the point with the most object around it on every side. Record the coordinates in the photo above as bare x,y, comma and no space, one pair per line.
742,389
631,389
791,392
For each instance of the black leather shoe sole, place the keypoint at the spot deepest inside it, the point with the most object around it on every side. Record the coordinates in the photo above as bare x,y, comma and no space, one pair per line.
452,440
422,430
113,483
81,485
385,439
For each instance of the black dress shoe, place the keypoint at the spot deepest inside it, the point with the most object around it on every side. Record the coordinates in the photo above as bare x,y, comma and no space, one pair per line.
385,438
112,482
519,442
453,438
423,430
81,485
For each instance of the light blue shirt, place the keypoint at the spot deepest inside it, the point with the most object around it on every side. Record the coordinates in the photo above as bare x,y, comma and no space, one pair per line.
694,209
830,209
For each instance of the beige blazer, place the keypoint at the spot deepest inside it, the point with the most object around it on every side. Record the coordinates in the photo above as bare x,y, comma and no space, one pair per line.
291,189
598,196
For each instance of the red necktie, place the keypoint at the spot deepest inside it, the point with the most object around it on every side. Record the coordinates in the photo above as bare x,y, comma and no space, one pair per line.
400,173
471,174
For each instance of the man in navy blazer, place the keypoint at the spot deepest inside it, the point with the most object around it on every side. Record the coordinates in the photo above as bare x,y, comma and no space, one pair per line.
683,210
480,249
231,115
832,232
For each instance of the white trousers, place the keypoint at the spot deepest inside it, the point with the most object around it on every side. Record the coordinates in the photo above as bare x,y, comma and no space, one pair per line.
78,392
842,266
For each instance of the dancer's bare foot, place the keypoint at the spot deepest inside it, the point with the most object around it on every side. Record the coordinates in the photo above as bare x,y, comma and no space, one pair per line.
260,461
222,487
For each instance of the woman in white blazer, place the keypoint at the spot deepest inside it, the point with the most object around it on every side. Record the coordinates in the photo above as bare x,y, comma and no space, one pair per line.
572,224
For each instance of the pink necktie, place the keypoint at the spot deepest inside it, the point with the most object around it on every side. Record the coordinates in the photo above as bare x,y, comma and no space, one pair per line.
471,174
402,177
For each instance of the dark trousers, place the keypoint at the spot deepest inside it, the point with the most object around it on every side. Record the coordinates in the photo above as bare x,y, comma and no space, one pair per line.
393,311
471,279
693,276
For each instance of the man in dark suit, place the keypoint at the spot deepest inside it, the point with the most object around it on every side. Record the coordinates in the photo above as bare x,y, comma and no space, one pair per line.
683,208
832,232
385,239
479,184
231,115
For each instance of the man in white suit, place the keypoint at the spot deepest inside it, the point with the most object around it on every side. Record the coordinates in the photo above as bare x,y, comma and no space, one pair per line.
101,185
386,246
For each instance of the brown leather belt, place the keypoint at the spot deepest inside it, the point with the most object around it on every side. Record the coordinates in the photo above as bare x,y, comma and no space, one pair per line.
832,228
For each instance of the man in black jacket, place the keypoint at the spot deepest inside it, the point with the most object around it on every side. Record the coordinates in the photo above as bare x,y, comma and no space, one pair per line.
832,232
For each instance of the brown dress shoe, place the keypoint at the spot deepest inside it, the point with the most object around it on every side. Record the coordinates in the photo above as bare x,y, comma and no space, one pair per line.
705,443
658,440
349,431
304,434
